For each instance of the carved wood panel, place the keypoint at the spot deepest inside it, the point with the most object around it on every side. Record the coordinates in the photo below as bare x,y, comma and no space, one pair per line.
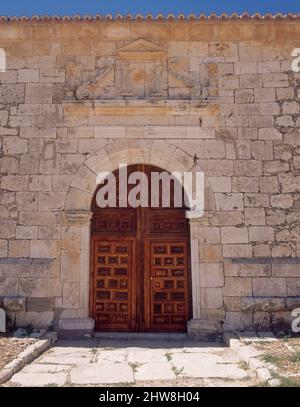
167,273
114,304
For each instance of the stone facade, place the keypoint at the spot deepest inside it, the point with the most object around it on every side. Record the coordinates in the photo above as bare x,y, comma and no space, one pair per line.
77,97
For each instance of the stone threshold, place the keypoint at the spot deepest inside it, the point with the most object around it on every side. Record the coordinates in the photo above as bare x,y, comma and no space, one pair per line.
141,335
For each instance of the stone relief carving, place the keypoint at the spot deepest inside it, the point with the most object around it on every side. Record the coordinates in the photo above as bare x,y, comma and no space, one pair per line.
96,87
139,70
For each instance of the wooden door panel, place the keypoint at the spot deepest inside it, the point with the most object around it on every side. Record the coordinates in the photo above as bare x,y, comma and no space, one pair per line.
114,288
168,288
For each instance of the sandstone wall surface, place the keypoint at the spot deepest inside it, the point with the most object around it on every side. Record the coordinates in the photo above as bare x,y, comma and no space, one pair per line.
77,97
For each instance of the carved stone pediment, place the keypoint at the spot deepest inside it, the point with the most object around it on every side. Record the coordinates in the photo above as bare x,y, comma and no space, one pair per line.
141,50
140,70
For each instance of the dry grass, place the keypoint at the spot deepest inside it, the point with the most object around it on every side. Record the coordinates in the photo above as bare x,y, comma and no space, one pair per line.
284,354
11,347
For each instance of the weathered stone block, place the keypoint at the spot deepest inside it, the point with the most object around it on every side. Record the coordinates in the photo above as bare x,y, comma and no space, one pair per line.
237,287
262,150
275,287
293,286
233,234
290,107
264,95
210,253
18,248
9,286
211,298
7,228
275,80
14,304
29,164
261,233
35,319
70,295
244,184
70,265
26,232
243,95
26,201
249,168
284,121
226,218
282,201
28,75
52,232
285,270
70,163
255,216
51,201
261,250
41,304
40,183
12,94
3,248
289,183
9,165
283,250
14,182
209,234
44,248
275,167
229,202
211,275
247,269
237,250
38,93
269,184
275,217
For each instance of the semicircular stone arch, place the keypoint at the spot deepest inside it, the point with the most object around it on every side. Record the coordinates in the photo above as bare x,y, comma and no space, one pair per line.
157,153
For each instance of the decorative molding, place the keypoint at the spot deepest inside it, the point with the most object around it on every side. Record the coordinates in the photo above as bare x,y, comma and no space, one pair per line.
141,50
139,70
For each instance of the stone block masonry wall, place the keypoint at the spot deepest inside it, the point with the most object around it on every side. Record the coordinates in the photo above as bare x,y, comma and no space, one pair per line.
243,129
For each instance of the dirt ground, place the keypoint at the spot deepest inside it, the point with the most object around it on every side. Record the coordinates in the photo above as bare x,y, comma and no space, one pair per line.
11,347
284,356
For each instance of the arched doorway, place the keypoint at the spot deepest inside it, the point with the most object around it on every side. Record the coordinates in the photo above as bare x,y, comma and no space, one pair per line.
140,265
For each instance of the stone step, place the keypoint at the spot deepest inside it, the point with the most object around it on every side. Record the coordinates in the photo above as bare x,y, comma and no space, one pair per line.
140,335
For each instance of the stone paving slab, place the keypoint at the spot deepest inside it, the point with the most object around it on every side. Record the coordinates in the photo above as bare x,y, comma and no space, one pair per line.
107,373
67,360
144,356
115,355
41,375
213,371
207,365
155,371
120,362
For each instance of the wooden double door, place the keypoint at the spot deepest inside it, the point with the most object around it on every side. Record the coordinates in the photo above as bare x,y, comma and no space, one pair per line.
140,279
